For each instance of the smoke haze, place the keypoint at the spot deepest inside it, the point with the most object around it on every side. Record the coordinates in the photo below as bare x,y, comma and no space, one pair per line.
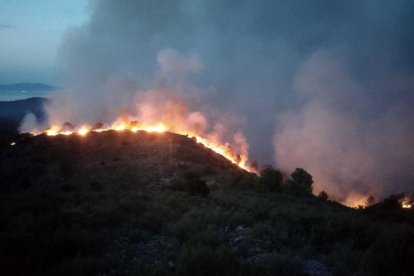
326,84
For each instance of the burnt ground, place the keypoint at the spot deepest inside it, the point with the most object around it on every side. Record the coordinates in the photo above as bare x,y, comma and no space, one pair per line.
118,203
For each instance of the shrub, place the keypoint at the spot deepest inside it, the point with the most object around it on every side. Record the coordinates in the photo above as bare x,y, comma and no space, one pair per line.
278,264
192,184
323,196
248,181
197,259
391,254
271,179
300,183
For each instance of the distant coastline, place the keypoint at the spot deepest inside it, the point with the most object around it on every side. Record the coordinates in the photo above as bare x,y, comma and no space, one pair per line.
24,90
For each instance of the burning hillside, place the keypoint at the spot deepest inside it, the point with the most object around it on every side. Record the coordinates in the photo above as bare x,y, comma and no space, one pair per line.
110,156
155,111
135,126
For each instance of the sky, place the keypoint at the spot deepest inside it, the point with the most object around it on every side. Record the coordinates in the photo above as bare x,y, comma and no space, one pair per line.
30,34
324,85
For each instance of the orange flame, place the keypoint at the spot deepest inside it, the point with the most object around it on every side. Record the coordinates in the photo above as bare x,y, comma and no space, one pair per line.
406,203
134,126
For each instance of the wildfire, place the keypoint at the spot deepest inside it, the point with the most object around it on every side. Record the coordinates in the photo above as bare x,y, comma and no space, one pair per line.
135,126
406,203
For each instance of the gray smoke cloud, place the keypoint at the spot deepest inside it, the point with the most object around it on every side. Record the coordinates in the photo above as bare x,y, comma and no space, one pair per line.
328,83
350,152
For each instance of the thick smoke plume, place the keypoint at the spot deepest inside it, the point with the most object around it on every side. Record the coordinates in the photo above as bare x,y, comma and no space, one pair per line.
329,83
329,134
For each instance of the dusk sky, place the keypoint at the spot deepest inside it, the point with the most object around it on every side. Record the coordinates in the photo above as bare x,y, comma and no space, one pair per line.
30,34
324,85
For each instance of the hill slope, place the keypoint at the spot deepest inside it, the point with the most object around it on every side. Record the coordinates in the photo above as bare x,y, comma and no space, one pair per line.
14,111
109,157
12,114
161,204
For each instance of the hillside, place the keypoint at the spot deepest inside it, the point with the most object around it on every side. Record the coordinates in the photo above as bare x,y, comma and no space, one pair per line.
118,203
14,111
12,114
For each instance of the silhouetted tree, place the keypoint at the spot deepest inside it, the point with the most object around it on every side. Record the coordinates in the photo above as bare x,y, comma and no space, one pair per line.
300,183
271,179
323,195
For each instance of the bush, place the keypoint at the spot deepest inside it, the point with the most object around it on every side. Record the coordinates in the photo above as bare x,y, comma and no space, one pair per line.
192,184
271,179
278,264
391,254
323,196
197,259
300,183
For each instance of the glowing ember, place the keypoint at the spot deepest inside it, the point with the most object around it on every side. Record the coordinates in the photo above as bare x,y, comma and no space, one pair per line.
406,203
120,127
53,131
66,132
355,200
158,128
83,130
134,126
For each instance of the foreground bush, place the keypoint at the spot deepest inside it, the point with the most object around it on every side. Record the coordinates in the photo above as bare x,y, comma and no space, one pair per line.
270,179
197,259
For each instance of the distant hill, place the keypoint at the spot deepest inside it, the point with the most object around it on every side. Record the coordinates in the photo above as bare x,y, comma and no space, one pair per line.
123,203
26,86
24,90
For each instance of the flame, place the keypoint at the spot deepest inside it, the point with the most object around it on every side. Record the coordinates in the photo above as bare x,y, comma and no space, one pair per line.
406,203
84,130
52,131
159,128
119,127
355,200
13,143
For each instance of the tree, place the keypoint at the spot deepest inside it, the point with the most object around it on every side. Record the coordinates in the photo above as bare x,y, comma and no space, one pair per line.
271,179
301,182
323,196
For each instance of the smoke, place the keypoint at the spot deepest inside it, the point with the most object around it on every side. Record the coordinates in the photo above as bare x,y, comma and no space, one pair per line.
329,83
351,150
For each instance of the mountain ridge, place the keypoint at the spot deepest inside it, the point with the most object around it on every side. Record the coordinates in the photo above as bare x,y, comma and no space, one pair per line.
26,86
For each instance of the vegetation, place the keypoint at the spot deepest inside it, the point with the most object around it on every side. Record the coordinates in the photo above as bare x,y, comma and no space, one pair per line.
117,205
323,195
271,179
300,183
